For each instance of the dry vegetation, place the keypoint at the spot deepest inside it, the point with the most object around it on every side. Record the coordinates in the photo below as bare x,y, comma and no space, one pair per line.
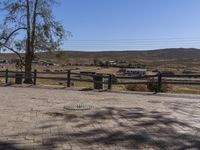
177,60
166,59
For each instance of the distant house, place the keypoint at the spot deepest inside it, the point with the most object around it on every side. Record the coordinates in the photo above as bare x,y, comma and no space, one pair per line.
34,62
135,72
111,62
46,63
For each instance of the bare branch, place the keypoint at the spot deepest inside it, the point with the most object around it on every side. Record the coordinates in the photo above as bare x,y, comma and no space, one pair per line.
10,35
11,49
13,5
34,24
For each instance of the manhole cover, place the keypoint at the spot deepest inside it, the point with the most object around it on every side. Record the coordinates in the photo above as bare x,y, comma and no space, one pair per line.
78,107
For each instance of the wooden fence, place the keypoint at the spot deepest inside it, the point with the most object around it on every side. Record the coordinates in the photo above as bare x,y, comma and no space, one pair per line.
107,79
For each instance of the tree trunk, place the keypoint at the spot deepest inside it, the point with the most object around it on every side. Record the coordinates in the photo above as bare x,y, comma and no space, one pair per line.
29,52
28,68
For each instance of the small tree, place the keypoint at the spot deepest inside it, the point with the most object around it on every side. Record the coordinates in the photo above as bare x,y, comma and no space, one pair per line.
96,61
29,26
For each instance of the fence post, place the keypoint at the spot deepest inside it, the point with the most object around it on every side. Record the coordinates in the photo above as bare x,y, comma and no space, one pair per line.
6,77
35,77
110,81
159,82
98,81
68,78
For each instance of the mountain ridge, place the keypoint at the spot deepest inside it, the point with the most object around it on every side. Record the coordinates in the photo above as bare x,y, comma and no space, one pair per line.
179,58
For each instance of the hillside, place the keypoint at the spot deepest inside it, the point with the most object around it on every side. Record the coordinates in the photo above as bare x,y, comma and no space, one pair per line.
164,54
178,59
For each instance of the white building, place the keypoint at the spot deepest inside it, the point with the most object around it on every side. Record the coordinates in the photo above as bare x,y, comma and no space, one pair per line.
111,62
135,72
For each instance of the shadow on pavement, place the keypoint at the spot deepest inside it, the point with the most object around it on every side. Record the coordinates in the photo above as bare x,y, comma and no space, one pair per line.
123,128
8,146
129,128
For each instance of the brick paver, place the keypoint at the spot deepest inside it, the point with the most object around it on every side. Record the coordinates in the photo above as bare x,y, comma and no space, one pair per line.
34,118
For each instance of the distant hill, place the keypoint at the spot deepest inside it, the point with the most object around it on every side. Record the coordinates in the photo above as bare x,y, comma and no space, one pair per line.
165,54
173,58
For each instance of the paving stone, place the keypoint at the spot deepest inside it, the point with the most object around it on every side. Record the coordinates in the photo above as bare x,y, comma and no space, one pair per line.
66,146
34,118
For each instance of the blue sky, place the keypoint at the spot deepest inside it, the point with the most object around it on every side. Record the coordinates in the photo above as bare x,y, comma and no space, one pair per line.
130,24
101,25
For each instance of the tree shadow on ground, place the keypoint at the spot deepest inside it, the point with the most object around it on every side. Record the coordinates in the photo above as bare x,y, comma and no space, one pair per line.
123,128
8,146
129,128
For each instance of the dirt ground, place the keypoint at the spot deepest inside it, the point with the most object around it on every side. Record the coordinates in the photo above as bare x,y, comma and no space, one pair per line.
35,118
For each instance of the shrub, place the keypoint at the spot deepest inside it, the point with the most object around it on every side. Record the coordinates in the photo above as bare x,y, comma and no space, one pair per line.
114,79
136,87
153,86
166,88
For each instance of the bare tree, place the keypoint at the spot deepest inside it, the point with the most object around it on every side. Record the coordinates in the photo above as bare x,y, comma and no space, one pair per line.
29,26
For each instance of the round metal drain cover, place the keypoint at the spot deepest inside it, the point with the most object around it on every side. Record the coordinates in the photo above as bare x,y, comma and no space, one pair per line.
78,107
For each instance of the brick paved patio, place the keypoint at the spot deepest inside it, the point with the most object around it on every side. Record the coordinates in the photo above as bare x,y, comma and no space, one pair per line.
34,118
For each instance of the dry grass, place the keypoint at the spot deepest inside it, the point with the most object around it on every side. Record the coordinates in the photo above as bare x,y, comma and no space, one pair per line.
171,89
186,89
139,87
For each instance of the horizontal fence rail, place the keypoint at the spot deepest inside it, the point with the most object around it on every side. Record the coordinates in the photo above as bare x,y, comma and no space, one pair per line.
138,77
182,76
106,79
182,82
